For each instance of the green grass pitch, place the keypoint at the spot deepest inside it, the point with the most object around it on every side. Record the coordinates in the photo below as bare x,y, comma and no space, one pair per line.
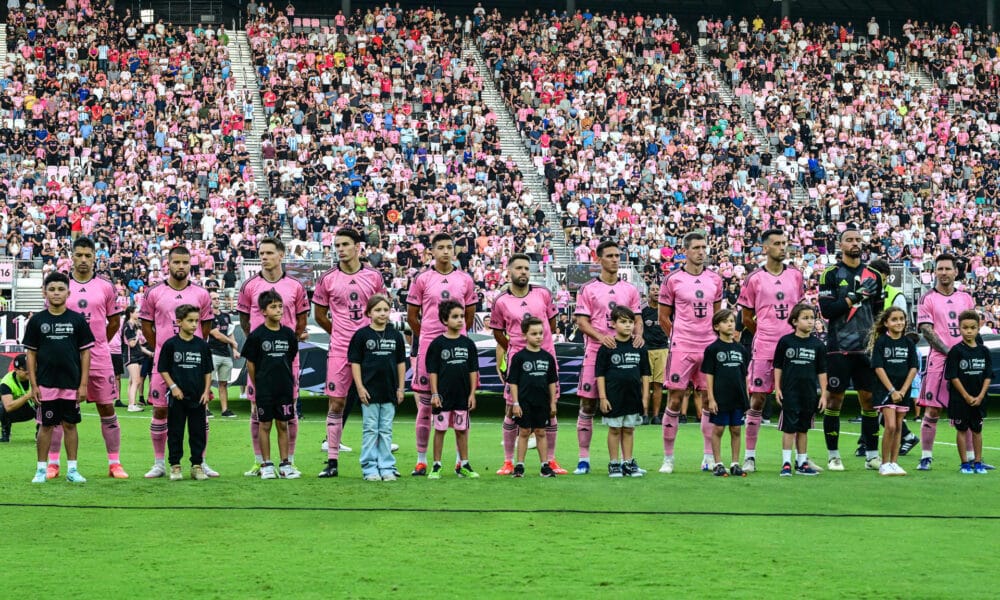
850,534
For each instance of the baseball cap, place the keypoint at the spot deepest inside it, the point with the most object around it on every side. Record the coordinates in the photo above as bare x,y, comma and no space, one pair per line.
21,361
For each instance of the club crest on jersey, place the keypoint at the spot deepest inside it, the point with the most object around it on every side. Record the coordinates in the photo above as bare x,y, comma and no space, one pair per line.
266,346
616,359
721,356
331,386
834,382
675,378
354,296
260,412
527,366
178,357
46,328
155,393
586,387
82,303
887,352
758,381
445,294
526,315
371,344
423,380
111,378
49,414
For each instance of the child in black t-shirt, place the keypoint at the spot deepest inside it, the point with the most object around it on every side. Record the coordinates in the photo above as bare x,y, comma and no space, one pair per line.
799,369
377,354
532,378
969,370
58,342
623,387
186,367
894,360
453,368
270,351
725,368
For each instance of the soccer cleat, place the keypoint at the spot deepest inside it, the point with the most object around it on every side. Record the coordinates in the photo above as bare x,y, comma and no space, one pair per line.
74,476
52,471
656,421
288,471
582,467
634,469
135,408
805,469
786,470
228,414
373,477
39,476
420,470
720,470
873,463
546,470
466,471
925,464
908,443
120,404
668,465
966,469
980,468
209,471
861,451
158,470
736,470
390,477
683,419
435,472
324,446
393,447
749,464
116,471
518,471
556,468
266,472
506,469
198,472
175,473
615,471
814,466
344,448
330,470
835,464
253,472
706,466
209,413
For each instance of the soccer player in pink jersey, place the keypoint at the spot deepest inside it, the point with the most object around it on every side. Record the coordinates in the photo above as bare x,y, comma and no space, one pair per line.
295,303
519,302
937,319
767,297
159,323
689,298
594,303
340,298
440,281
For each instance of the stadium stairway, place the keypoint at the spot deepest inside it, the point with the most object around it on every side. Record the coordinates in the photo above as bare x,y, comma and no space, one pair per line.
27,291
513,144
924,81
800,197
3,44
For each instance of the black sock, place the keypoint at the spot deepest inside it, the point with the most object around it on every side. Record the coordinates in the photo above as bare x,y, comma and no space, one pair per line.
331,462
905,433
869,431
831,428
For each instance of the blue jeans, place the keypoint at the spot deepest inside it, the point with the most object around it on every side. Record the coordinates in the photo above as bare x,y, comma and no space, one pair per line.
376,437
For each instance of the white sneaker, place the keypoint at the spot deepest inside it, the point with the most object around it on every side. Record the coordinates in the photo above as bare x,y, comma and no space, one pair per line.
897,470
324,446
815,467
374,477
749,465
706,465
289,472
668,465
835,464
344,448
267,472
158,470
134,408
393,447
532,443
886,469
873,463
209,470
389,477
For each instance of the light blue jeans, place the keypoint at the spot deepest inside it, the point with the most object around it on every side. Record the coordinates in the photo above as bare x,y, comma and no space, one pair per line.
376,437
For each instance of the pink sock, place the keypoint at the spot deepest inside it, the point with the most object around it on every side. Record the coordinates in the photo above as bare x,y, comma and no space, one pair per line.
509,438
293,434
670,421
112,436
584,433
54,447
423,421
254,431
754,418
550,439
334,429
706,430
928,429
158,433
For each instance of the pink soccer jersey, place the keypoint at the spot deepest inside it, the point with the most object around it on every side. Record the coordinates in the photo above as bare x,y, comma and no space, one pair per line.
941,311
161,302
428,290
346,296
97,300
595,299
509,311
771,298
293,296
691,297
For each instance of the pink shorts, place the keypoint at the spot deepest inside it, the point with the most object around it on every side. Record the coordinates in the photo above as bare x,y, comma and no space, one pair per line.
895,407
158,391
420,382
453,419
934,390
761,376
587,387
684,368
48,394
338,376
102,388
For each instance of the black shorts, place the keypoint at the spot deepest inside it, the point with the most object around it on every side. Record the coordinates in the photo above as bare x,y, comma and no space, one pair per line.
964,417
57,412
270,410
147,367
796,416
849,370
533,417
119,366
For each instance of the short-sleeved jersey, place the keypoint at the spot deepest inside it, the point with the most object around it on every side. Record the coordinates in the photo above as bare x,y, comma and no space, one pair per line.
160,305
691,298
428,290
727,363
187,362
97,300
453,360
533,373
379,354
58,341
346,295
971,366
272,354
771,298
896,358
652,333
595,299
941,312
294,299
623,369
801,361
510,310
